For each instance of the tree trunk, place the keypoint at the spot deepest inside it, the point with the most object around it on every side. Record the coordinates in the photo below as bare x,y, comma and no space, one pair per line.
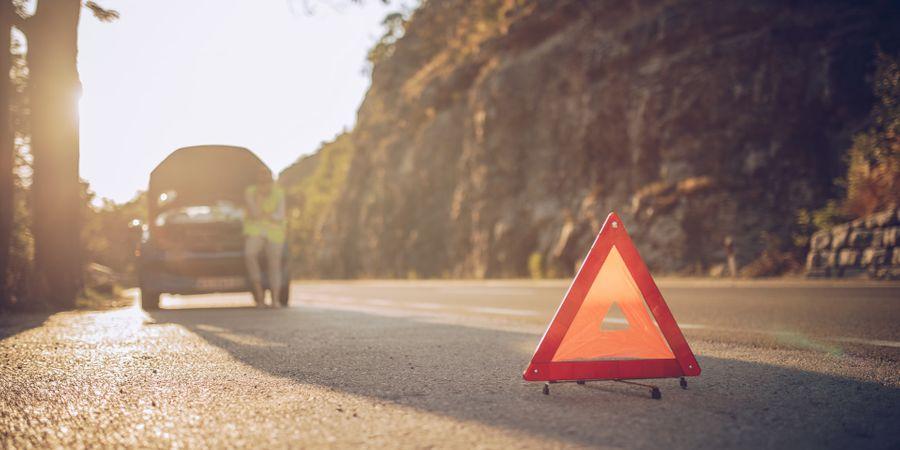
54,89
6,148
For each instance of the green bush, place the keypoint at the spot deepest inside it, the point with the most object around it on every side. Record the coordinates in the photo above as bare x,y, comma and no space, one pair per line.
873,177
872,182
312,198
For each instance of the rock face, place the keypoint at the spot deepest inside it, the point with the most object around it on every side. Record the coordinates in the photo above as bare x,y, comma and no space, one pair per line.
497,135
869,245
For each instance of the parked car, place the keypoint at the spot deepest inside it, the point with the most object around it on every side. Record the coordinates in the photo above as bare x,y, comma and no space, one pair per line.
193,240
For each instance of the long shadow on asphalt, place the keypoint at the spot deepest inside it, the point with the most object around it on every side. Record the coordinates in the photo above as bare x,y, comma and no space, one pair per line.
15,323
474,374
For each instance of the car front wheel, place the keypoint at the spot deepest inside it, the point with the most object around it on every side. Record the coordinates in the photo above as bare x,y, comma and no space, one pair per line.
285,294
149,300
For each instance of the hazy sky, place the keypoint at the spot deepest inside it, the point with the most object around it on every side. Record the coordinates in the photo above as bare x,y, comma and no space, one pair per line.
173,73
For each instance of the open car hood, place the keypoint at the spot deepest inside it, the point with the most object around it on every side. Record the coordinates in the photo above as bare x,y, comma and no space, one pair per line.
203,175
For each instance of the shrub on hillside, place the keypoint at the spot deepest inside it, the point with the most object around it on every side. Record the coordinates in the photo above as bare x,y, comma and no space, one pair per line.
873,176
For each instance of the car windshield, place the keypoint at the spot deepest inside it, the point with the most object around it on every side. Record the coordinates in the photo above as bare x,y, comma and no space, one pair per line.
222,211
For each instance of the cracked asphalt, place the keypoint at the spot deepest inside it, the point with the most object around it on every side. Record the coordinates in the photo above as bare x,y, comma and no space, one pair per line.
438,364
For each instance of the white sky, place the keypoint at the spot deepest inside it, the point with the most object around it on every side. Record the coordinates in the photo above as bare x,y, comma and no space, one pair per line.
173,73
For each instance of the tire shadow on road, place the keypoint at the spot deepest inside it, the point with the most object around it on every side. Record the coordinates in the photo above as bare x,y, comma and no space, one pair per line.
474,374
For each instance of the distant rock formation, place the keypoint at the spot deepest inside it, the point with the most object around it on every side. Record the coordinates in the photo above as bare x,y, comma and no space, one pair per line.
495,138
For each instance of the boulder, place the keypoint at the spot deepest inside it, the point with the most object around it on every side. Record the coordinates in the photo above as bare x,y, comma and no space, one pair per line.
820,240
877,238
819,259
848,257
719,271
831,258
873,257
882,219
890,237
839,235
860,238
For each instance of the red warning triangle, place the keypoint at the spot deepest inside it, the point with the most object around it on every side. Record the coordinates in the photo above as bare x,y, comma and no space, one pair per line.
586,340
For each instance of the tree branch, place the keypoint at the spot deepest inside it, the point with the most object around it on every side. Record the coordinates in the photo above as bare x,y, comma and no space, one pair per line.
102,14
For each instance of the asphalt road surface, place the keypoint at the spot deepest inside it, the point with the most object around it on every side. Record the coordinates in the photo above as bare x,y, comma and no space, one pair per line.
438,364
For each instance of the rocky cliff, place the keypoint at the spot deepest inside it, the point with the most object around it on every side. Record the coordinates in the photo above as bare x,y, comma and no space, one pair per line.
498,134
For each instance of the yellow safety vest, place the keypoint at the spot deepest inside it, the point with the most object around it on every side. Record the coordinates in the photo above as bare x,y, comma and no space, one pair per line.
267,227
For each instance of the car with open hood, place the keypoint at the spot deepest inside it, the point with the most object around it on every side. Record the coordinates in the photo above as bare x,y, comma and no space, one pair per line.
192,242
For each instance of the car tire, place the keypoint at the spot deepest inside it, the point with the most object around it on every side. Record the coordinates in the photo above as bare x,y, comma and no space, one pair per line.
149,300
285,294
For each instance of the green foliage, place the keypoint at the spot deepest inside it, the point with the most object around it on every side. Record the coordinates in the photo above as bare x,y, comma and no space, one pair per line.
394,26
873,177
312,198
828,216
777,259
872,182
108,235
808,222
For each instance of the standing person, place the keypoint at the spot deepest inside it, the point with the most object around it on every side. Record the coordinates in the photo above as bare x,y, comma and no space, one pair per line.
729,255
265,230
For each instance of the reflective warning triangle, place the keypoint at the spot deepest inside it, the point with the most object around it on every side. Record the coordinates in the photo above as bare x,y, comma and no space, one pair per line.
587,341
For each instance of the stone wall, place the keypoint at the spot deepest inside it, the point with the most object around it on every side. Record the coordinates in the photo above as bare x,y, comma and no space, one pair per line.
868,245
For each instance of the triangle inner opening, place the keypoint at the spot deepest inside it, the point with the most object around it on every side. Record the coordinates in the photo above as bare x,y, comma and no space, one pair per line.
615,319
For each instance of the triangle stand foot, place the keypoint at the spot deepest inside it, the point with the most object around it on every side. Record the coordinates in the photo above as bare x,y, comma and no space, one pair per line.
655,393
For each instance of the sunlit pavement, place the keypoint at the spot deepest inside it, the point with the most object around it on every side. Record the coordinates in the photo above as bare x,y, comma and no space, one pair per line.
438,364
